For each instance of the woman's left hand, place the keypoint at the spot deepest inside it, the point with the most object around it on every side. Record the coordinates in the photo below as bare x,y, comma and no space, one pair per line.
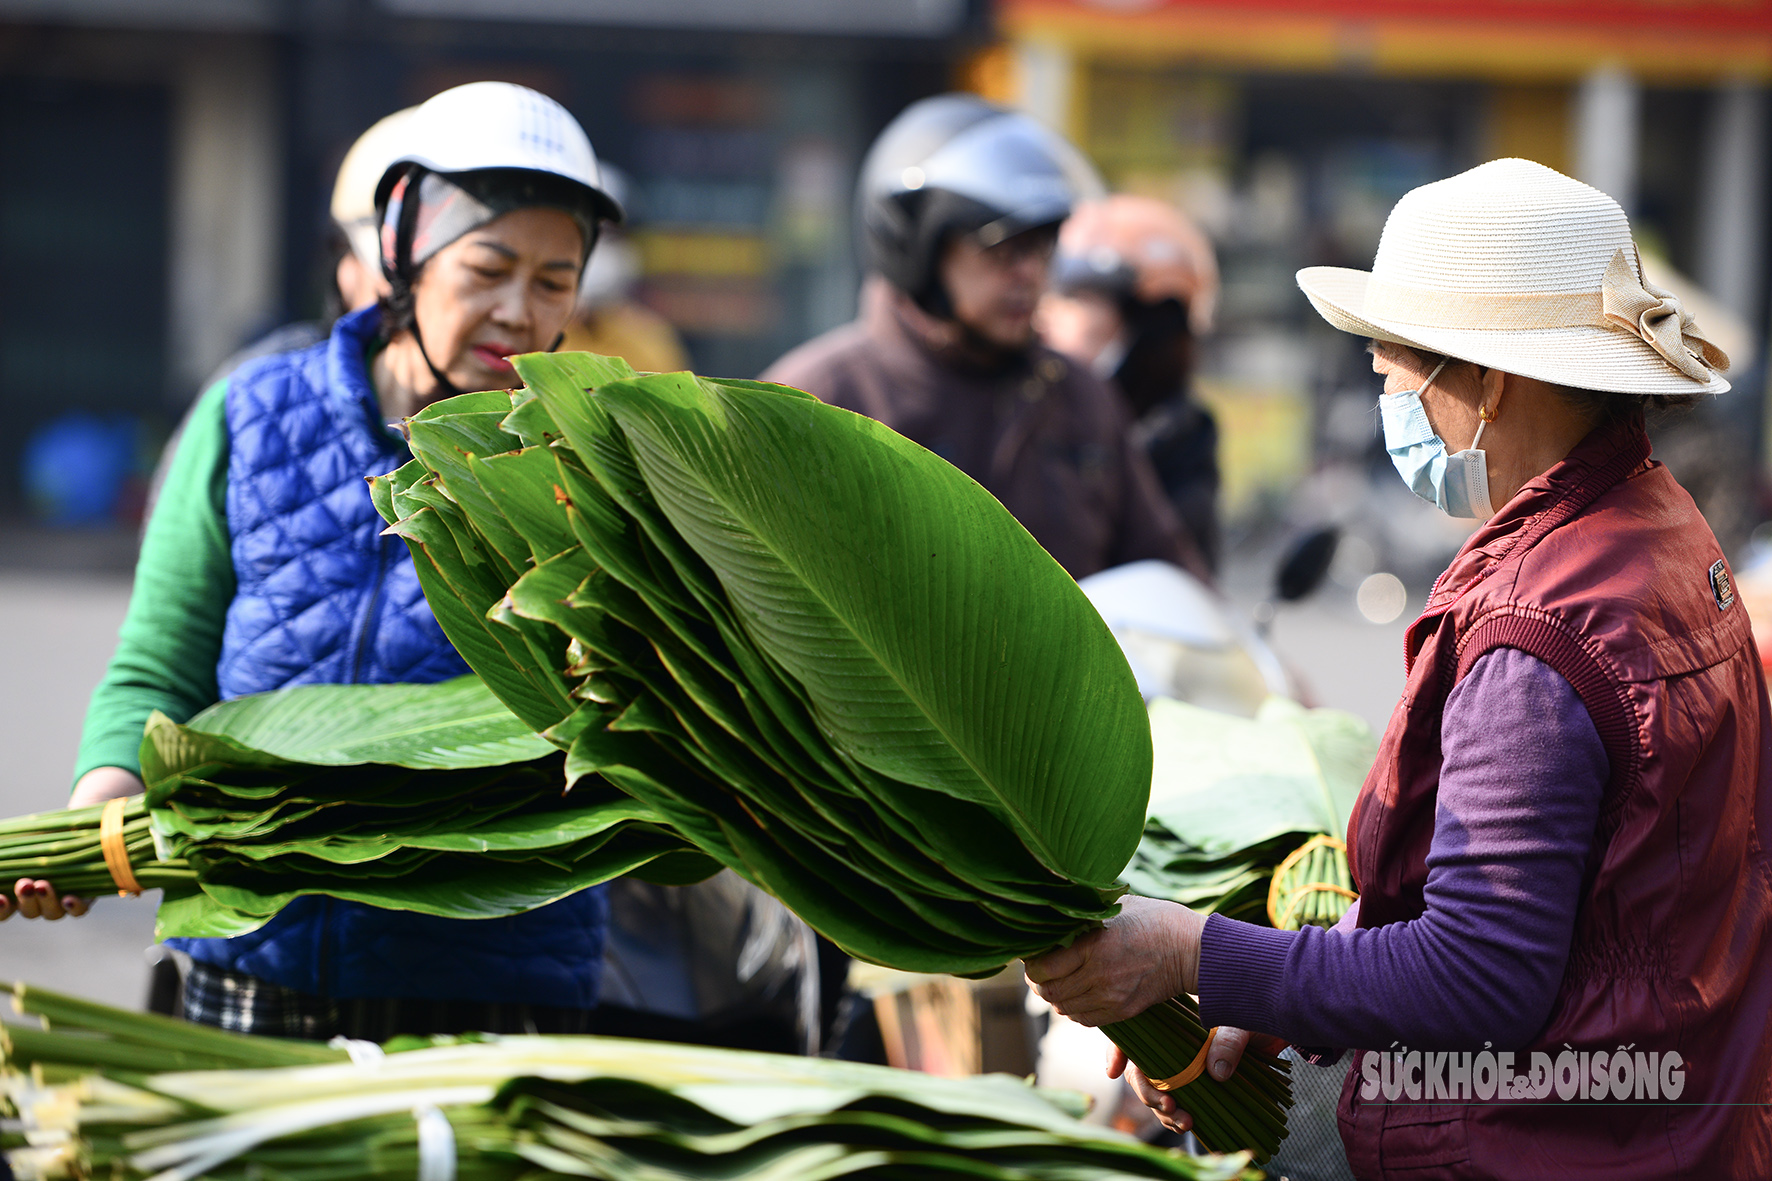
1146,954
1228,1045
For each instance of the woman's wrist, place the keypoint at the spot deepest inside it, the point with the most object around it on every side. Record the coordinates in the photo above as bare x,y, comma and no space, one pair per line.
104,783
1189,927
1167,936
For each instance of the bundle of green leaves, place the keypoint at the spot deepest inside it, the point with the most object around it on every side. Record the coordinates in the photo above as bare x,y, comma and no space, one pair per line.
823,654
431,798
1232,798
91,1096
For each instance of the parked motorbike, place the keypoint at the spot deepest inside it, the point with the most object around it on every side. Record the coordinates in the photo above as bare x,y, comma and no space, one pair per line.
1187,642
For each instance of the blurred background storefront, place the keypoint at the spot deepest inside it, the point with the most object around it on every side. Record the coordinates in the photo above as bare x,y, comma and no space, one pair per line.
1288,128
165,167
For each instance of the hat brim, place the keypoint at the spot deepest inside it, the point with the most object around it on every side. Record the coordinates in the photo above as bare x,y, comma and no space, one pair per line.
1582,357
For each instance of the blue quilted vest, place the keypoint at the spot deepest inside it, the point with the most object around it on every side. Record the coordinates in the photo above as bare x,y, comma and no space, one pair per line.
323,598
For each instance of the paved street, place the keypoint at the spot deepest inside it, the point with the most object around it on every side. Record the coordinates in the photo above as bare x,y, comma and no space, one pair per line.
1343,660
56,632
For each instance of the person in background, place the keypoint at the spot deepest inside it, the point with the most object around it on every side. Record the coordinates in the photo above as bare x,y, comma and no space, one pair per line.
609,320
266,565
356,281
1135,286
357,275
959,207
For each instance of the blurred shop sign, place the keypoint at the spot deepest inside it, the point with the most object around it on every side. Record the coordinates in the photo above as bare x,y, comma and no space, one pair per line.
1511,39
1264,446
928,18
189,14
666,252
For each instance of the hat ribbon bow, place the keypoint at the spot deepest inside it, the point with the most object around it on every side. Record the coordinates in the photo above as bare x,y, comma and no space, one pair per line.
1645,310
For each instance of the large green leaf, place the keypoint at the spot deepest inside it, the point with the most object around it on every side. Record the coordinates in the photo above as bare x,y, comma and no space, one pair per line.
1225,784
925,624
822,654
456,723
460,594
235,1108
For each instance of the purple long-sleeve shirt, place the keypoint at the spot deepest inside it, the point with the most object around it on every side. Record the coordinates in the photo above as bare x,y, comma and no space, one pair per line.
1519,796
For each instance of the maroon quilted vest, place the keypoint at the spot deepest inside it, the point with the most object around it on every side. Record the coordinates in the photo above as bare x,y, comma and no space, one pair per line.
1603,568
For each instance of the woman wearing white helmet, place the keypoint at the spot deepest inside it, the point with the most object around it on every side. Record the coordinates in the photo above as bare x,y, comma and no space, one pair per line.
265,565
491,212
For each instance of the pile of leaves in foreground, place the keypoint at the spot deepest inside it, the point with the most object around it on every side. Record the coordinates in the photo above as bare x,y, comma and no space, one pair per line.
91,1096
1234,799
823,654
431,798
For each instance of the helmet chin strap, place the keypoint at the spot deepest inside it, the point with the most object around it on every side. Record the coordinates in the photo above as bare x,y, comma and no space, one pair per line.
445,387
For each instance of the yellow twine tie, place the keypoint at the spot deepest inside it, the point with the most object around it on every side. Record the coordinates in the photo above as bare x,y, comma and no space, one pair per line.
1177,1081
116,850
1280,918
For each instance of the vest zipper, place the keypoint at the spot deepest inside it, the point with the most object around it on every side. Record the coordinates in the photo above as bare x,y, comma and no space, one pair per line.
323,969
372,610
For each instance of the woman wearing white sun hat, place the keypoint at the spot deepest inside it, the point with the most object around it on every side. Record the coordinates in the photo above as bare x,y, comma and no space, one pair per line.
1561,848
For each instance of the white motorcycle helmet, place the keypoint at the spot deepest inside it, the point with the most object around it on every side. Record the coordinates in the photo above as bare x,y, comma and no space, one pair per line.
956,164
359,177
488,127
470,155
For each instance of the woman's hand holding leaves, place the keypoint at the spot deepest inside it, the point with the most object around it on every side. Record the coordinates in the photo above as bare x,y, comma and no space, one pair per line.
1141,957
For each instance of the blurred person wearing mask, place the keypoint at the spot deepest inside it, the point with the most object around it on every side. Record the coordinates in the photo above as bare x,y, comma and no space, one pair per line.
610,321
959,206
1135,288
266,566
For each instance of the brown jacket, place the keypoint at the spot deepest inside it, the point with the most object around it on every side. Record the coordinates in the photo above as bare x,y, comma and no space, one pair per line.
1603,569
1044,436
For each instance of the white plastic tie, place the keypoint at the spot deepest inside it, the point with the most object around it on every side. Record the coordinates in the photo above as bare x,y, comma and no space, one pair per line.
436,1144
362,1053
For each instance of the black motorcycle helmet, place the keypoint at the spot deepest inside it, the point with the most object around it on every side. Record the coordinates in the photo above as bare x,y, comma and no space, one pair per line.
956,164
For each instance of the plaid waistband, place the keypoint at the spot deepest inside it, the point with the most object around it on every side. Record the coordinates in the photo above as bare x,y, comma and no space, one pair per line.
244,1003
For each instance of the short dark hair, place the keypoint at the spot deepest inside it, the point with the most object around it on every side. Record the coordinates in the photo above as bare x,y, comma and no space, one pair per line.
1601,406
1604,407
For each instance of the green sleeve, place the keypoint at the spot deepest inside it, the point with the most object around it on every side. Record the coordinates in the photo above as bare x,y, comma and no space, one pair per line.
184,580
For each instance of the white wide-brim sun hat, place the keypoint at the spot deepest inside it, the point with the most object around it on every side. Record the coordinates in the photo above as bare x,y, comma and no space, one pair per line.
1516,267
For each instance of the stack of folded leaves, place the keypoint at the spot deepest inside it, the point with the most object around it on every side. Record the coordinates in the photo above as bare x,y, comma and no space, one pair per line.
1247,815
103,1093
823,654
430,798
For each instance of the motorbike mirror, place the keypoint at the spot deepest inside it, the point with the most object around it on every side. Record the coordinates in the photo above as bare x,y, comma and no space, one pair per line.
1306,564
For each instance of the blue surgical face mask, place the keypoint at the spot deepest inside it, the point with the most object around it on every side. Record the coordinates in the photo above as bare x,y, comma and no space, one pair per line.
1458,483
